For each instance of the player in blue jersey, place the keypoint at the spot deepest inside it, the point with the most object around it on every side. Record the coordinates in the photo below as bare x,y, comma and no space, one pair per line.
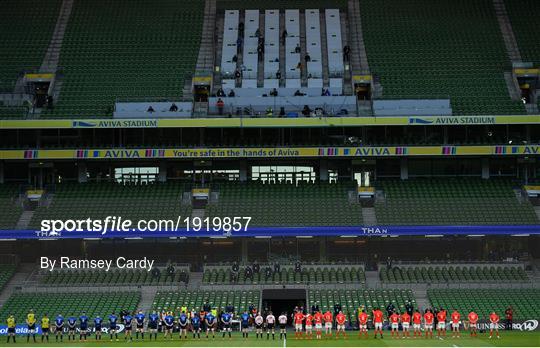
113,327
72,323
211,322
196,325
226,320
244,324
139,319
183,321
83,326
59,327
98,322
169,325
128,326
153,320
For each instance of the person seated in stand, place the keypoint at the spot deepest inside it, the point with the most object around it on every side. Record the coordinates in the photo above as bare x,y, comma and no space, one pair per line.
173,108
150,109
231,93
306,111
298,93
274,92
220,92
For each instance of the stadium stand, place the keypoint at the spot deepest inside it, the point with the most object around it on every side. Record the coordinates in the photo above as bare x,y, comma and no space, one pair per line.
526,302
323,274
288,205
280,4
93,303
126,50
6,272
9,211
26,28
524,17
112,277
351,300
452,274
99,200
172,300
451,201
433,49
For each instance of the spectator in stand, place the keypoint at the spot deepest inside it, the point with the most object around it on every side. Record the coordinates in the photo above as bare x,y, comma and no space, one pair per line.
220,106
220,93
231,93
173,108
267,273
297,49
307,58
282,111
256,267
390,309
298,267
248,273
277,267
278,75
346,53
284,35
150,109
306,111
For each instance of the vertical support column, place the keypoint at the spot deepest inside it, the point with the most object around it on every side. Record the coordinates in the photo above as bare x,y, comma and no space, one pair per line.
244,250
162,175
323,170
404,169
485,168
243,171
1,172
82,172
322,249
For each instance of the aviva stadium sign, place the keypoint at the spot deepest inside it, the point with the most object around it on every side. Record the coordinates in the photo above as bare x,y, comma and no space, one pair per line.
258,122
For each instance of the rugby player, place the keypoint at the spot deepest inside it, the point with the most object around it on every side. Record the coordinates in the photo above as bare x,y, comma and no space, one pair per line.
282,325
362,323
244,324
394,322
169,325
318,319
494,324
340,327
153,320
259,321
72,323
113,328
309,326
11,331
417,323
83,326
211,323
298,321
428,323
473,320
128,326
196,325
405,324
183,322
98,322
45,327
455,318
31,322
441,323
270,326
59,327
226,320
328,322
139,320
378,318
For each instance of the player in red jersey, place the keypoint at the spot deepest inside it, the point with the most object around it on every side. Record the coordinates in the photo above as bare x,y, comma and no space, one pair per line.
309,326
394,324
455,318
405,324
318,318
378,318
428,323
328,318
473,320
340,321
494,324
298,321
417,323
441,323
362,323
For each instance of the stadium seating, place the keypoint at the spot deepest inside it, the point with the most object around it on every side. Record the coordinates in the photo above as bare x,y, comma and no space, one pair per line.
335,274
526,302
99,200
439,49
112,277
351,300
524,18
67,304
288,205
451,274
458,201
280,4
126,51
6,272
172,300
9,211
26,28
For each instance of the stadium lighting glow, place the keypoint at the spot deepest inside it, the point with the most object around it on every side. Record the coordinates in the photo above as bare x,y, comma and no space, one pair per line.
92,238
133,238
304,237
476,235
520,235
48,239
348,236
263,237
434,235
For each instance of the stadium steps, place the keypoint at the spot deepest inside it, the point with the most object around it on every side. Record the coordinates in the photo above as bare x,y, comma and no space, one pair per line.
512,86
23,272
282,68
422,300
52,56
260,62
368,216
220,22
537,211
24,220
205,59
359,60
303,47
524,17
345,25
507,32
324,49
147,298
372,280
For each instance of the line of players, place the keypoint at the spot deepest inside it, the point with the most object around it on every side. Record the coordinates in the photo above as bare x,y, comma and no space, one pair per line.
207,322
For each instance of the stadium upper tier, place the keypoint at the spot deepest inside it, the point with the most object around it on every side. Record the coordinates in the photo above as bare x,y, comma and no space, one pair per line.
457,201
6,272
335,274
352,300
9,210
288,205
524,17
453,274
68,304
26,27
439,49
525,302
126,50
99,200
173,300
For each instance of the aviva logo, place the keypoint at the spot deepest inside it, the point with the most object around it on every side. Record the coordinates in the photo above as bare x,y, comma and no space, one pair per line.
418,120
82,124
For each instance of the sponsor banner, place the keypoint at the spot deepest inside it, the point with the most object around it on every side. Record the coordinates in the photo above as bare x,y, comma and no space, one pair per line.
518,325
336,231
273,152
23,329
256,122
